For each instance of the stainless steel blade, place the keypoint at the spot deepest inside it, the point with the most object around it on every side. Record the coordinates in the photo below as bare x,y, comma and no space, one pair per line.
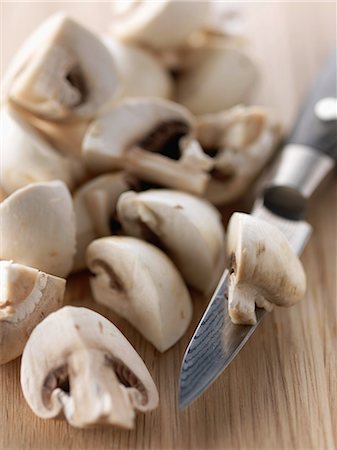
217,340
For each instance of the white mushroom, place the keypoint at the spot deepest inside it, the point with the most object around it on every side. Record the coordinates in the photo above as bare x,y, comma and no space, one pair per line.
139,282
95,209
78,365
37,228
264,270
152,139
26,157
187,228
63,72
26,297
157,24
241,142
218,77
139,72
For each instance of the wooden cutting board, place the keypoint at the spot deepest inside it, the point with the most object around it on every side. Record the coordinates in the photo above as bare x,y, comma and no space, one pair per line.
281,390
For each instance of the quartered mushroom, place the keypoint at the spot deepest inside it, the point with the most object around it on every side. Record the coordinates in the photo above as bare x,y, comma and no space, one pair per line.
187,228
217,77
54,75
95,211
140,73
37,228
241,142
26,297
157,24
140,283
152,139
77,365
264,270
26,157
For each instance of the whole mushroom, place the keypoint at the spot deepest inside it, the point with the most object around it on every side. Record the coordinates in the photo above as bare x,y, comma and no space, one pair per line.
78,365
264,270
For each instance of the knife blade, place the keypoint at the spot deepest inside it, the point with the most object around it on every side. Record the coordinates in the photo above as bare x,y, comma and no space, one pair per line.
305,161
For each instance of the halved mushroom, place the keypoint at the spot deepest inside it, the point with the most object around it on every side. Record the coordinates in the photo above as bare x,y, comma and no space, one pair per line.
37,228
54,76
187,228
157,24
218,77
152,139
78,365
140,283
26,297
95,211
241,142
264,270
140,73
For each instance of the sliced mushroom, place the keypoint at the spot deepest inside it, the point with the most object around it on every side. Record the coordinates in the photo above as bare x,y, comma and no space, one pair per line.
95,211
218,77
37,227
264,270
139,72
26,297
54,75
139,282
241,142
157,24
78,365
152,139
187,228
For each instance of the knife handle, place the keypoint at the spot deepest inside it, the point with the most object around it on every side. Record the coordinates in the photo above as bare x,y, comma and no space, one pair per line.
311,150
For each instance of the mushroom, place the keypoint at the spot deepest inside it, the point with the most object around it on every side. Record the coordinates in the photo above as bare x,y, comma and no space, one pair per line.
26,157
26,297
37,227
140,283
218,77
95,206
187,228
54,76
151,139
157,24
264,270
241,142
140,73
79,366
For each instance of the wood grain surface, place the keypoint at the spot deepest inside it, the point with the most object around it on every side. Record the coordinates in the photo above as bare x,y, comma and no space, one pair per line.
281,390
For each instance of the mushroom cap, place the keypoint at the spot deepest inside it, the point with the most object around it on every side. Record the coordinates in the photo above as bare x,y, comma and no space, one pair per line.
264,269
218,78
26,297
38,227
106,377
140,283
26,157
53,75
139,72
160,25
94,205
188,228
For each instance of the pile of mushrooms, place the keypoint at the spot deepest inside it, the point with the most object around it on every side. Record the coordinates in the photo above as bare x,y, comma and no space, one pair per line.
112,164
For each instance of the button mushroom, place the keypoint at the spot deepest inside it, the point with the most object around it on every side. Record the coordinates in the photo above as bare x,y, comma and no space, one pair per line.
37,227
95,211
157,24
241,142
264,270
152,139
78,365
139,282
187,228
26,297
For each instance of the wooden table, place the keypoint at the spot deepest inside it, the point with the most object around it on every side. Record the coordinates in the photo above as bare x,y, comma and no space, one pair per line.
281,390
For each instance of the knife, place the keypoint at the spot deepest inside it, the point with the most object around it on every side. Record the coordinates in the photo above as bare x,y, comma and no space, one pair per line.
309,155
